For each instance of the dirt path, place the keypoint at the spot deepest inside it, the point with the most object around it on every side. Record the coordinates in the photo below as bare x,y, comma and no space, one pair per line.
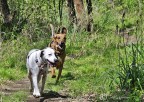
23,85
10,87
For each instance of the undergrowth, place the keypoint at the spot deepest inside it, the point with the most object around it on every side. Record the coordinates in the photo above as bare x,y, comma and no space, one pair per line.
103,62
85,70
91,65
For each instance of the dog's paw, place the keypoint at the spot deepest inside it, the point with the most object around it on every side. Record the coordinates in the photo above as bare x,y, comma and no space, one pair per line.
53,76
36,95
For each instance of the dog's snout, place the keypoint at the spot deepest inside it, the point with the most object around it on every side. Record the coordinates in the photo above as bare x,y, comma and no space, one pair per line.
62,44
55,60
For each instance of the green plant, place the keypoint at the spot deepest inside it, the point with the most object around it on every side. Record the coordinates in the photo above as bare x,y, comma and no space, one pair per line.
131,70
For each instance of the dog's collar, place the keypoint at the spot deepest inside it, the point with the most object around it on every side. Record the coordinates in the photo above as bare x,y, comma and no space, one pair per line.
42,65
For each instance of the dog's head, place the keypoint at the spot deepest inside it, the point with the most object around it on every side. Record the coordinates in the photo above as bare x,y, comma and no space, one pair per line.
48,54
60,37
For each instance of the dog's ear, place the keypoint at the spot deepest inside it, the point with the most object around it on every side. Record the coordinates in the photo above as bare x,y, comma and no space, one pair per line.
64,30
42,53
58,32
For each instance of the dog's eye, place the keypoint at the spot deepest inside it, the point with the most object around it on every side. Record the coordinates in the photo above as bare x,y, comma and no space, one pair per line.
49,54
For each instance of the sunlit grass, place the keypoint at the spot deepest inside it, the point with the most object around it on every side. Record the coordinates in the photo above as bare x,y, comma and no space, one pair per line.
15,97
87,68
90,67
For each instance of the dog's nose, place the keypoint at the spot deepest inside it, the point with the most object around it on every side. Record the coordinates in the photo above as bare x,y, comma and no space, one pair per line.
55,60
62,44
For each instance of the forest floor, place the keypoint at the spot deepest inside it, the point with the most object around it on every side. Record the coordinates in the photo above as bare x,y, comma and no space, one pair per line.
23,85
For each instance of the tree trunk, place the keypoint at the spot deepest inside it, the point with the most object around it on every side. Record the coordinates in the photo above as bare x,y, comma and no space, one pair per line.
60,9
8,18
80,13
90,19
72,13
5,11
79,8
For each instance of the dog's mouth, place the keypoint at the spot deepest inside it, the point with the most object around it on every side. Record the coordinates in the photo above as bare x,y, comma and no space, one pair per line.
61,46
51,63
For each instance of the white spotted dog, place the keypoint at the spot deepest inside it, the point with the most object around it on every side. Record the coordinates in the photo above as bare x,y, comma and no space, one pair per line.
37,64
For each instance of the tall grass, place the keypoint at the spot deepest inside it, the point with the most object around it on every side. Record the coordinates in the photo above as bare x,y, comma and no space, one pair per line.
14,54
94,63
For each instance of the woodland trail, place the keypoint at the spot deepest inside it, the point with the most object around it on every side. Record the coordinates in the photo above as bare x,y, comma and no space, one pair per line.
10,88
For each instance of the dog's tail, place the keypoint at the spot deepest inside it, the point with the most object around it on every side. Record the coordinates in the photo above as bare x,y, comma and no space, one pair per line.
52,28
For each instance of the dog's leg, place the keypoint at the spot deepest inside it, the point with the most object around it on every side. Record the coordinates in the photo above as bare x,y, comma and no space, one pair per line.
59,74
53,72
43,81
60,69
30,78
39,78
36,92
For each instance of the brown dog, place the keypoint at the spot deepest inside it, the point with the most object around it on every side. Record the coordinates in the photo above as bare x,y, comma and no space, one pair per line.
58,44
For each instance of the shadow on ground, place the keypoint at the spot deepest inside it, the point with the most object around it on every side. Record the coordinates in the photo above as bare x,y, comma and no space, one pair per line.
51,96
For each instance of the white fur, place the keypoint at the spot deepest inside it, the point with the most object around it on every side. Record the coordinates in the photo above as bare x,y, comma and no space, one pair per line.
33,64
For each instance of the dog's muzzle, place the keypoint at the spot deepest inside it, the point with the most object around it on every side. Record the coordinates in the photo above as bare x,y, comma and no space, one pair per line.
51,63
62,45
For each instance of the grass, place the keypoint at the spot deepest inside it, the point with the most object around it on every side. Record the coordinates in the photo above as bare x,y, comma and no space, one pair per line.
94,62
14,54
16,97
91,65
85,69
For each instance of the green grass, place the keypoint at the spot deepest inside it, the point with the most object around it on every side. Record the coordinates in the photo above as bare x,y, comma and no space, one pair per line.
11,74
13,62
85,68
91,64
15,97
94,62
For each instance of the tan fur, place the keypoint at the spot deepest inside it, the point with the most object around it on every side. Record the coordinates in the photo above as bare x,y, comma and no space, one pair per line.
58,40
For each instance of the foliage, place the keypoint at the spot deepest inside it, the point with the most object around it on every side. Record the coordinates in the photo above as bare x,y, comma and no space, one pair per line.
131,69
99,63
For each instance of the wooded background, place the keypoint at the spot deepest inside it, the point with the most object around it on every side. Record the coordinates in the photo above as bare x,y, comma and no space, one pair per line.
17,14
105,44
